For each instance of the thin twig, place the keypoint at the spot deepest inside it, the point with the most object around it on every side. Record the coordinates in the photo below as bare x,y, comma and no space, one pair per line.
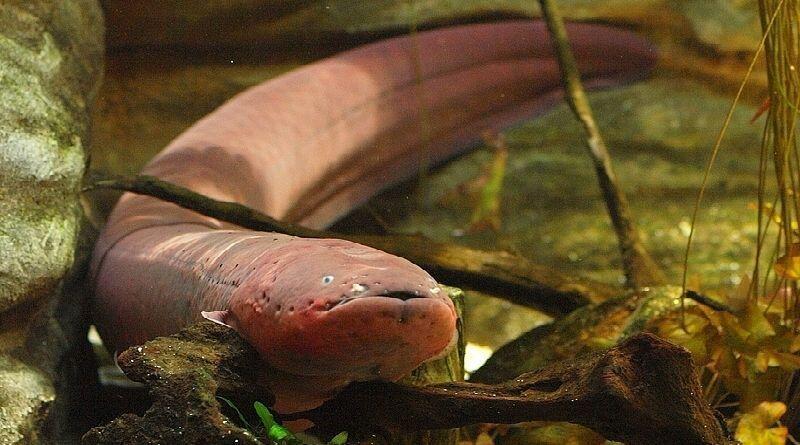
708,301
640,269
496,273
231,212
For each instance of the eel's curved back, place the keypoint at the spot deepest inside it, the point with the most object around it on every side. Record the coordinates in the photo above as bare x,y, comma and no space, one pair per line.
312,144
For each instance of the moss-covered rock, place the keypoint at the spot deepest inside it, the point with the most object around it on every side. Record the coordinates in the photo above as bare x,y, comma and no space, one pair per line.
24,391
50,53
50,66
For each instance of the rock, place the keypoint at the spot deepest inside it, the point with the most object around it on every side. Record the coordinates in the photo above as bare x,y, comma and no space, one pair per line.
184,372
50,62
726,25
50,66
25,393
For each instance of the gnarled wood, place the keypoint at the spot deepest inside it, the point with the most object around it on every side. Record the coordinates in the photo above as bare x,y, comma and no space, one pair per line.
641,392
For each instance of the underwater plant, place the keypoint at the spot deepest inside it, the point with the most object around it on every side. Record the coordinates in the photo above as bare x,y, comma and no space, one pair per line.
748,354
274,432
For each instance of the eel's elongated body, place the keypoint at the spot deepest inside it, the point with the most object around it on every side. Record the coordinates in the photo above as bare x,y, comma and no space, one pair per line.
307,147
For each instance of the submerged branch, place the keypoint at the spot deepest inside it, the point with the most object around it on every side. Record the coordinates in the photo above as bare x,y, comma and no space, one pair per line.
496,273
227,211
643,391
708,301
640,269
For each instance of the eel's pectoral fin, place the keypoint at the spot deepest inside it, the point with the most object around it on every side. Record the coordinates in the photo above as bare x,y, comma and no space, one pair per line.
220,317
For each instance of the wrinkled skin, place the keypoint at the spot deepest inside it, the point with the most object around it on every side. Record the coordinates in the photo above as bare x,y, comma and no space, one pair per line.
307,147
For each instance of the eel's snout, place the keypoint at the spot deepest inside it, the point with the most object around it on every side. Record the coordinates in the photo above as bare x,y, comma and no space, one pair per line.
344,312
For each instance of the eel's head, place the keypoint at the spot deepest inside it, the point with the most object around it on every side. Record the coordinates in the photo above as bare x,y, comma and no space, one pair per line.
332,308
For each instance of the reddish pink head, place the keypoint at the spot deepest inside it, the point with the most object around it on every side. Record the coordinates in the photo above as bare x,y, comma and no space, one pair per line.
343,311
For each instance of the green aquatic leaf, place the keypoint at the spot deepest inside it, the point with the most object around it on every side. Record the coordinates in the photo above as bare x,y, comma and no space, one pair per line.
277,434
241,416
275,431
339,439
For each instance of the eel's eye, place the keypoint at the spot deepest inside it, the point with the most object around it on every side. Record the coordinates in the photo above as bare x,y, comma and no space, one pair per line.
327,279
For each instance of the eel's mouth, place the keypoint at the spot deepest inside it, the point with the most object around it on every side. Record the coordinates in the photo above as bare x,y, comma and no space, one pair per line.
401,295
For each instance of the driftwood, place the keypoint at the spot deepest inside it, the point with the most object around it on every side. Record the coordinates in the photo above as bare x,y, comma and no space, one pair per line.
643,391
496,273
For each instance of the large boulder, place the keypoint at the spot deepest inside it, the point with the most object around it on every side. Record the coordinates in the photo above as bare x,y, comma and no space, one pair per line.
51,56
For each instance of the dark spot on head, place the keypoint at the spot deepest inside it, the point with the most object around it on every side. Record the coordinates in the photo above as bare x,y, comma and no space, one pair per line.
263,295
278,308
291,308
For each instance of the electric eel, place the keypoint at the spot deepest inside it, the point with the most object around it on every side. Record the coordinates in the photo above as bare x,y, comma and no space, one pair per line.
307,147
